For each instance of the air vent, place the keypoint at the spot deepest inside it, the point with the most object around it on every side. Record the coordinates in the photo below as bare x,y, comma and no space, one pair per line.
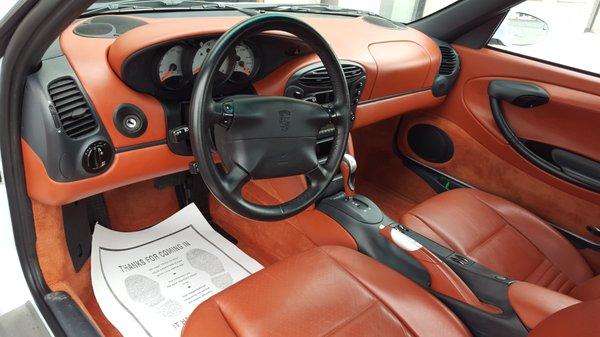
449,61
320,78
73,111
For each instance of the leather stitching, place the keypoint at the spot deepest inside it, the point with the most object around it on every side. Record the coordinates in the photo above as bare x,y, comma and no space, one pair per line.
359,313
488,239
225,318
546,265
403,324
446,239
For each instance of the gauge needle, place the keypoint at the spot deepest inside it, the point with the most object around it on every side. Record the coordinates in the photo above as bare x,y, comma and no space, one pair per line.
166,75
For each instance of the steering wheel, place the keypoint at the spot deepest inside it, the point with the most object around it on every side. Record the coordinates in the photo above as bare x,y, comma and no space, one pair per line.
260,137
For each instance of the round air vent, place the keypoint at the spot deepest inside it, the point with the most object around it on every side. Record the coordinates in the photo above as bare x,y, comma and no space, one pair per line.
430,143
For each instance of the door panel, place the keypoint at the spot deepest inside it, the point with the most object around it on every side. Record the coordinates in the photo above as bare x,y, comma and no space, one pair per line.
476,118
570,120
483,156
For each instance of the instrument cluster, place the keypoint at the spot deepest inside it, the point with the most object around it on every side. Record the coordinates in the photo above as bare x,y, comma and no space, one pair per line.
178,65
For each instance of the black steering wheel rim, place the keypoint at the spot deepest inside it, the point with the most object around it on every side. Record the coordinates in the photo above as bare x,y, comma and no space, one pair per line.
209,118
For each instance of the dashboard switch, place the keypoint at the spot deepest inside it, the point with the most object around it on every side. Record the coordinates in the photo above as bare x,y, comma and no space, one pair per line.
227,115
179,134
97,157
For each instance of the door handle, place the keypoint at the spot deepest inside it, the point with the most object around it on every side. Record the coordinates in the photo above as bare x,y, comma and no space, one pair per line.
526,95
523,95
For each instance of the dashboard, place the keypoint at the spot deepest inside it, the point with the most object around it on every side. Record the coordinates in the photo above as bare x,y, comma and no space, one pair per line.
109,103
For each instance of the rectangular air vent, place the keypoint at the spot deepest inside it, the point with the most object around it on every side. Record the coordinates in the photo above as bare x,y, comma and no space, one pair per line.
73,110
320,78
449,61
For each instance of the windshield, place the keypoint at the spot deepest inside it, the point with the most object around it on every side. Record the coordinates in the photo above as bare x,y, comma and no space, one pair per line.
404,11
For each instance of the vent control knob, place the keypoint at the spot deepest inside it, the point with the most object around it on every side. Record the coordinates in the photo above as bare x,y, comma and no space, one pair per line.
97,157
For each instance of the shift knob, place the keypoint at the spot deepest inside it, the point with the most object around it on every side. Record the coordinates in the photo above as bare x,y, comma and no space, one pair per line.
348,168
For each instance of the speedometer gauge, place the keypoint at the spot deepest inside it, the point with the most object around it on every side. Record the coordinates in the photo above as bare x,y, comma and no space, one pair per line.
170,68
245,60
203,51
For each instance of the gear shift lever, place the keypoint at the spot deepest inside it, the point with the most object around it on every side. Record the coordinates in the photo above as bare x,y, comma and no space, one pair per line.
348,168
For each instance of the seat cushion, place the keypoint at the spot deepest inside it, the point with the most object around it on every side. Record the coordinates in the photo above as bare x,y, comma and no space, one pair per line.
580,320
326,291
503,237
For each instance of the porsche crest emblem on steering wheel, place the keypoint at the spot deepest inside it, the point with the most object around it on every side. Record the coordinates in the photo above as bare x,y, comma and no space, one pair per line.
285,119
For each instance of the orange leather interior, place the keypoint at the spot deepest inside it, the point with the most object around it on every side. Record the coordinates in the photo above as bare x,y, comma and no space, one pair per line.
393,187
127,168
270,242
501,236
579,320
88,58
374,111
484,159
364,36
327,291
568,121
475,66
97,63
443,279
490,171
533,303
411,62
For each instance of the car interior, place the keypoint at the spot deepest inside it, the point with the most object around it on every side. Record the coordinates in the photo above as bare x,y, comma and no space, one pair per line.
393,180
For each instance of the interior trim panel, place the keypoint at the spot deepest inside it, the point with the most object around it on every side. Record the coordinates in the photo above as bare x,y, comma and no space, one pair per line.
400,66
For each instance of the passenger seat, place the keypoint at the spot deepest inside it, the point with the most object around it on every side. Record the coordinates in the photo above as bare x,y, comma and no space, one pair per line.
505,238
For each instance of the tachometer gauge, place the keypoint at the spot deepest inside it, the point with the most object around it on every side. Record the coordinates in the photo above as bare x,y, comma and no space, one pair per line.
203,51
245,60
170,69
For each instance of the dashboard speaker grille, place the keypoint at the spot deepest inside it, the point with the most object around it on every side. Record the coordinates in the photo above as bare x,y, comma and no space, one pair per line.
320,78
73,110
449,61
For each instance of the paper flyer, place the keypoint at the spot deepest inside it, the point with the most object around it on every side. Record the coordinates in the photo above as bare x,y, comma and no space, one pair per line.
148,282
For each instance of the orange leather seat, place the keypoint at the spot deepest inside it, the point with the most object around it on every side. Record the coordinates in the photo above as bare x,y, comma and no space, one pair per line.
505,238
580,320
326,291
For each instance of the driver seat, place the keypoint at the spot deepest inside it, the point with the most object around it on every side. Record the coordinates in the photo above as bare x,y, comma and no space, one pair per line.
335,291
326,291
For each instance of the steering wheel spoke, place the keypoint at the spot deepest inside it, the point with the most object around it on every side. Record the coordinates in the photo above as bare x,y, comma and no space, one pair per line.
317,176
235,179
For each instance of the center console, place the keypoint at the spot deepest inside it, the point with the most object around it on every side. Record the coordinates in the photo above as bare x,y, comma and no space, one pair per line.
477,295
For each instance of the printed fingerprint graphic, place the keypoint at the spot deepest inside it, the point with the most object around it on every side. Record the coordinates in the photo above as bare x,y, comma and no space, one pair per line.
210,264
147,291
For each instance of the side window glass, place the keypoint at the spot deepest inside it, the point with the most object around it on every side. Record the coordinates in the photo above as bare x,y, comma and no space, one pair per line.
566,32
